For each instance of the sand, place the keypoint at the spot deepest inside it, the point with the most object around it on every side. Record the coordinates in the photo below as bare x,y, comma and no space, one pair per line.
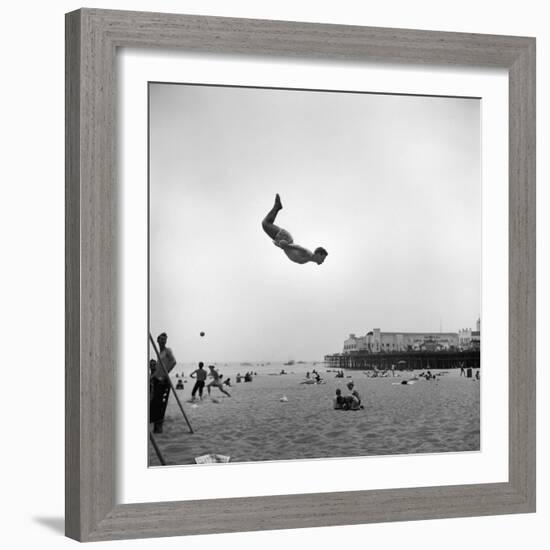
254,425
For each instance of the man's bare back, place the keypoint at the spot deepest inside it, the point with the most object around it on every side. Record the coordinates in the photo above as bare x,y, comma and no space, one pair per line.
283,239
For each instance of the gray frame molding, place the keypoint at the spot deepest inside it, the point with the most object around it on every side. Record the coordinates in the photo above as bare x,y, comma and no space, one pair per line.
92,38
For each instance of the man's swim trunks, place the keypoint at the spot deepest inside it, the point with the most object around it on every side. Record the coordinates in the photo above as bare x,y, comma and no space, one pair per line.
283,235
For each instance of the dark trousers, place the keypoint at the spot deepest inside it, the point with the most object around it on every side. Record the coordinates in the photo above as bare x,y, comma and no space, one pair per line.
199,385
160,391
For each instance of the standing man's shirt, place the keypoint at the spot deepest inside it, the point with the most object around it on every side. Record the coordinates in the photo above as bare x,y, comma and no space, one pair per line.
201,375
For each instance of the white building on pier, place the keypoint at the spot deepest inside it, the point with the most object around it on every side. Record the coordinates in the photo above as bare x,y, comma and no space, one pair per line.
376,341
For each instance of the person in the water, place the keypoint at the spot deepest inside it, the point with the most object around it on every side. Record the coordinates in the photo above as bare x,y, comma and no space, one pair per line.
283,239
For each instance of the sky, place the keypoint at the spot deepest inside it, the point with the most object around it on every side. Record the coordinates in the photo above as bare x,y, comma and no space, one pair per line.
389,185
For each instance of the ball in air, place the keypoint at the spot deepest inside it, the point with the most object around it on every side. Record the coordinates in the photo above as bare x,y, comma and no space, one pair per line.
202,334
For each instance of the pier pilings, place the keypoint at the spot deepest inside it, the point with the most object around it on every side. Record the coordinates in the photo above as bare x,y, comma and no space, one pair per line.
410,360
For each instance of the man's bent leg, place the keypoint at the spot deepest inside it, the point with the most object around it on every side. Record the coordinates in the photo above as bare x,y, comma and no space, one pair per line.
268,222
219,385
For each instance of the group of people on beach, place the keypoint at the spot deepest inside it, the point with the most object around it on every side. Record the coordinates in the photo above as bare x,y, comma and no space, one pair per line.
468,371
315,375
247,377
350,402
200,375
159,382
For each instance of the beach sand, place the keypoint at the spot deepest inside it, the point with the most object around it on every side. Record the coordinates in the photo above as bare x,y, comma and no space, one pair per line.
254,425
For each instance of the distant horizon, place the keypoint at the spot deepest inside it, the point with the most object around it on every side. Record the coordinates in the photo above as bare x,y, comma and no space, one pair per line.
256,361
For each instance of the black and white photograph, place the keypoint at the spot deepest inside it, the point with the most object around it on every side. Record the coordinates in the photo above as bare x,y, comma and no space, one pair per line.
314,274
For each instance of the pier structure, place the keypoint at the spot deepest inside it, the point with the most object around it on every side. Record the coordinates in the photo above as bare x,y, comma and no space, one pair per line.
404,360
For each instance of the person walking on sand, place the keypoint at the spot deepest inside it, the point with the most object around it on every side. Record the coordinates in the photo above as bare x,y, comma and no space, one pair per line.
160,385
200,374
283,239
216,381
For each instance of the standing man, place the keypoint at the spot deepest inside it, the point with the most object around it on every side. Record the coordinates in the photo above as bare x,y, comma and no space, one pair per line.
158,400
200,374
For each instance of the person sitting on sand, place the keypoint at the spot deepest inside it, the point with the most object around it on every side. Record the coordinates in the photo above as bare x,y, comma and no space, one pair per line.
338,402
283,239
354,398
216,381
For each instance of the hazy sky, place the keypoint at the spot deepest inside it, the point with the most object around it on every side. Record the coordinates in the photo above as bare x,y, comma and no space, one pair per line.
389,185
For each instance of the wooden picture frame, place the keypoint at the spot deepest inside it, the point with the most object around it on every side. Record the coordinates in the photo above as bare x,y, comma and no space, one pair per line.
92,39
